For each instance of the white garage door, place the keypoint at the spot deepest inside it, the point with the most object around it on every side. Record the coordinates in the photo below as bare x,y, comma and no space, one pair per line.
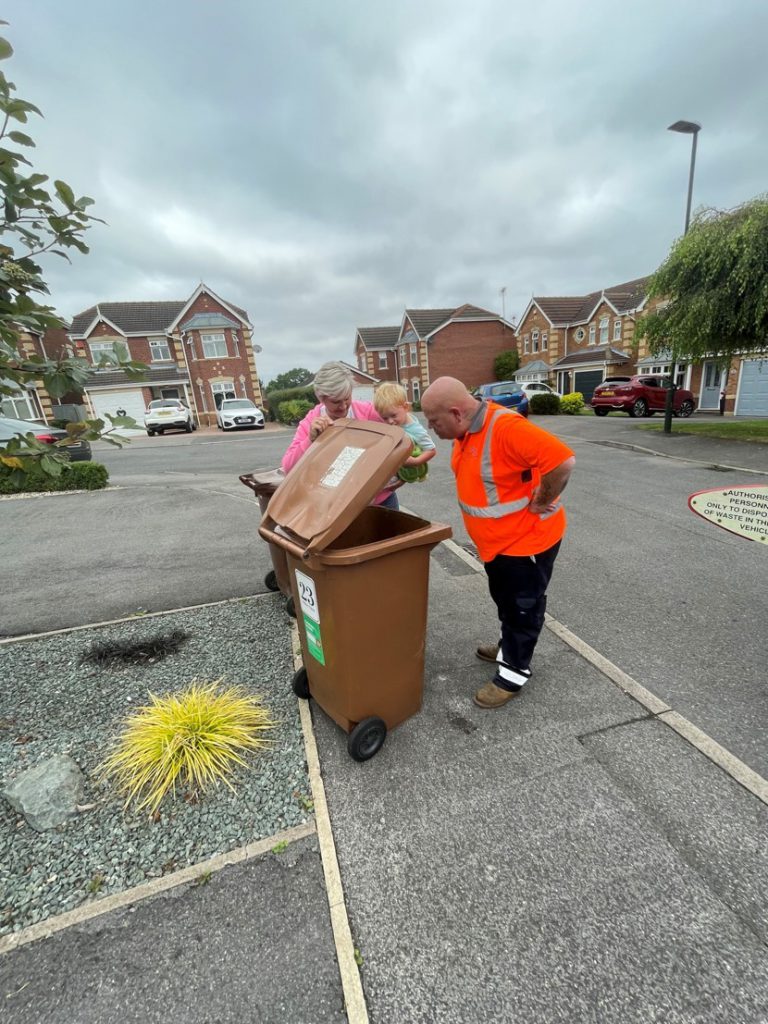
753,388
129,402
362,394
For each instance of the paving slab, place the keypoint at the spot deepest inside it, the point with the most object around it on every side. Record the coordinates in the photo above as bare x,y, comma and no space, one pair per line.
251,944
495,870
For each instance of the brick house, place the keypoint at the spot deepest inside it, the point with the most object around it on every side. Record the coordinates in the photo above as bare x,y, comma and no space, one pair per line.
461,342
32,402
199,350
574,341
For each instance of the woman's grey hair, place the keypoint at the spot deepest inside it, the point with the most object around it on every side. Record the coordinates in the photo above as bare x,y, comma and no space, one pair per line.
333,380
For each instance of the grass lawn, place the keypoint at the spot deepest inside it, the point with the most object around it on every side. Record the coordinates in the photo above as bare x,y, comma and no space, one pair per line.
755,431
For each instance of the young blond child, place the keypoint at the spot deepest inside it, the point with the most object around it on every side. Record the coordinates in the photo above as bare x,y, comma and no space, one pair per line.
391,403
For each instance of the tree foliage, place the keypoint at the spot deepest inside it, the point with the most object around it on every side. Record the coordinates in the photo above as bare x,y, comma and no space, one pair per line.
715,283
506,363
37,218
295,378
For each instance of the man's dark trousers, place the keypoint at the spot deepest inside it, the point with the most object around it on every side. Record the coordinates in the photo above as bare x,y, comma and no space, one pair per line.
518,586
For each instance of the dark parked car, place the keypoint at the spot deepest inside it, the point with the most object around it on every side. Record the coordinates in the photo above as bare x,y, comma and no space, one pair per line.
504,392
78,451
640,396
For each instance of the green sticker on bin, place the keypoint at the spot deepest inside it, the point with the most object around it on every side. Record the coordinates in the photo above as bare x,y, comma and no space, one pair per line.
314,640
310,610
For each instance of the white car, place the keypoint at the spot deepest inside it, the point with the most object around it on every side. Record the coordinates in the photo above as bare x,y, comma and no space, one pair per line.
239,412
536,387
168,414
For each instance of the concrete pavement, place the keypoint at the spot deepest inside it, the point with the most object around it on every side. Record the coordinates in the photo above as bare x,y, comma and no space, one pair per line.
568,857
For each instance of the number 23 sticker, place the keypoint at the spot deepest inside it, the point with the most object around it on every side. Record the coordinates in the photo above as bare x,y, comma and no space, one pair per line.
307,595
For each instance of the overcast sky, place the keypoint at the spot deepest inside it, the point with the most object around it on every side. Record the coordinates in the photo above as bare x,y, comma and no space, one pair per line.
326,164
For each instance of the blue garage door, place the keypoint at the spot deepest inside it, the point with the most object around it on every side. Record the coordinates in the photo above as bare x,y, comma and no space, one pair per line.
753,388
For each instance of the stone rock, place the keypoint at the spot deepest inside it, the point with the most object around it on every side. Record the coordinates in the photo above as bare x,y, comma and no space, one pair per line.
48,794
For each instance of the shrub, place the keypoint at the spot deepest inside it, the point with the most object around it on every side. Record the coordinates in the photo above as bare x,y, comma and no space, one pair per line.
292,412
544,405
77,476
416,405
572,404
275,398
195,738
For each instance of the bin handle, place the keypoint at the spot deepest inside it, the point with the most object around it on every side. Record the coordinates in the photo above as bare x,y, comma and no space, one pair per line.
272,537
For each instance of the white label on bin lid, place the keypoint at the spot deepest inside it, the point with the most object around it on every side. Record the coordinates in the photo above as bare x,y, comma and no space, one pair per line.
341,465
307,595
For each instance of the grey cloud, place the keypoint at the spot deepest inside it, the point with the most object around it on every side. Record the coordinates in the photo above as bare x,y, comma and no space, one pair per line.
325,165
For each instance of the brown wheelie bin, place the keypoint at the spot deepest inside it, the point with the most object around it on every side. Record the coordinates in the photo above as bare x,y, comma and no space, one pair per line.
264,483
360,578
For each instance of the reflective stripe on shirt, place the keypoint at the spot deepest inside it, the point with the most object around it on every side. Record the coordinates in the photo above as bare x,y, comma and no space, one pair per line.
494,509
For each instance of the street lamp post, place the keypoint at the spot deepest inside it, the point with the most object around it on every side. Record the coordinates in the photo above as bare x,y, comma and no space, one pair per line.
693,129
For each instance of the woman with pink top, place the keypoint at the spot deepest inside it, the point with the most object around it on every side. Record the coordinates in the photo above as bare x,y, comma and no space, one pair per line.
333,388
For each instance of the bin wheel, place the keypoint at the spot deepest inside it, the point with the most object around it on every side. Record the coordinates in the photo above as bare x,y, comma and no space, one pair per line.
366,739
290,607
300,684
270,580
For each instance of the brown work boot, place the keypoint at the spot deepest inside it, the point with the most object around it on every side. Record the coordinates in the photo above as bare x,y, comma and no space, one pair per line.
493,696
487,653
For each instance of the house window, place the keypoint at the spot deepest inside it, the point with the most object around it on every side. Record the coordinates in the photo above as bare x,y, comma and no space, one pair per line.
617,330
17,406
159,350
414,355
402,356
382,360
580,334
526,343
544,341
114,350
416,390
214,346
535,340
222,389
361,361
591,334
603,330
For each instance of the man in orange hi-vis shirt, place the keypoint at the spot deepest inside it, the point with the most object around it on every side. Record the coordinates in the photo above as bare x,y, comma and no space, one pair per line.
509,478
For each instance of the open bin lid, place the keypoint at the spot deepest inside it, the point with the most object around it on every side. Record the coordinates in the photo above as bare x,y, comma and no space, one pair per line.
339,474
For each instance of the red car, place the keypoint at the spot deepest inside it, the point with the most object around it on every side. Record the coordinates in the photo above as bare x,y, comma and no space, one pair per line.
640,396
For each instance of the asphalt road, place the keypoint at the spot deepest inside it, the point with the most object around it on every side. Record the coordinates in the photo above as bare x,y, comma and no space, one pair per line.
673,601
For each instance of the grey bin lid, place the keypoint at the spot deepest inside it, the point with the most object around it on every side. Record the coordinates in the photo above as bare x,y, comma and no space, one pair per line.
339,474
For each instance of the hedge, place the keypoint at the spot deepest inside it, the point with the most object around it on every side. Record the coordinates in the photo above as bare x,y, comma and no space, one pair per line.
292,412
275,398
77,476
544,404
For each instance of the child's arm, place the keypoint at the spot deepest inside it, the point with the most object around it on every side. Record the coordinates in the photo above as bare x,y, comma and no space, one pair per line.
419,460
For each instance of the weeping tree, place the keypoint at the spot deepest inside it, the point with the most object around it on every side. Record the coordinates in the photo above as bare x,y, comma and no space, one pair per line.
715,283
38,218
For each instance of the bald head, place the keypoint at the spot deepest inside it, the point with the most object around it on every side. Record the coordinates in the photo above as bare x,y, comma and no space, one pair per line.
449,407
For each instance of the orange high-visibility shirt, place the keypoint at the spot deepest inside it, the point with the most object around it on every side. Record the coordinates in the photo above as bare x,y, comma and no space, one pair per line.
498,464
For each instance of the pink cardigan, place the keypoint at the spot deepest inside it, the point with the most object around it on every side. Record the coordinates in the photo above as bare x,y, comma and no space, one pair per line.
301,441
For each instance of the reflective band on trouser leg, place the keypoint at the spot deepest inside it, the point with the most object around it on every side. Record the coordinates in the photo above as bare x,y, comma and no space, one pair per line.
510,678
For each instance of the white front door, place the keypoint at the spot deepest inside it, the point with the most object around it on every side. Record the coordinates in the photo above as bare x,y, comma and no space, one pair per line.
129,403
711,384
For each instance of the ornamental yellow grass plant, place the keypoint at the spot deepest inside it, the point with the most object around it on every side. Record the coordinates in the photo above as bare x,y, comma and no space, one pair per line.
193,739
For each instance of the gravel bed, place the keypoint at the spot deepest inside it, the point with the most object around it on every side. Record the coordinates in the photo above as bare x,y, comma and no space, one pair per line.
51,704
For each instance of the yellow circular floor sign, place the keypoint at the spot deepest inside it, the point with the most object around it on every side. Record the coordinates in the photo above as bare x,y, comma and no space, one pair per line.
740,510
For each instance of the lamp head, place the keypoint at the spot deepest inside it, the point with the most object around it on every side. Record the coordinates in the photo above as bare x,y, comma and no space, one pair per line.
686,127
